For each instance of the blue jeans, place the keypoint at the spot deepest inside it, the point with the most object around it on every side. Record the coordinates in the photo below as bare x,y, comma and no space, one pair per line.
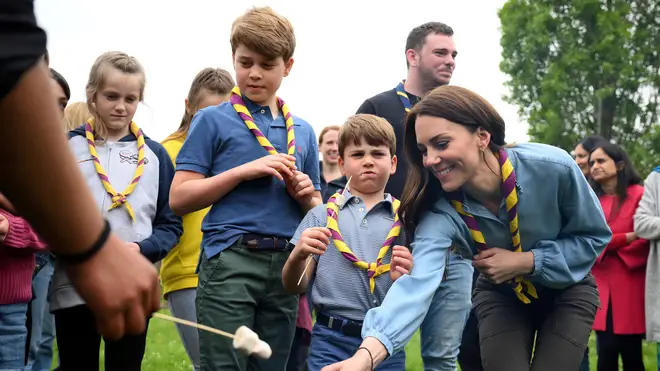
43,325
329,346
13,337
442,329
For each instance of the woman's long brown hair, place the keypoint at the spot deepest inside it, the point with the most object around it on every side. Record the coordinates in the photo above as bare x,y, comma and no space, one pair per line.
460,106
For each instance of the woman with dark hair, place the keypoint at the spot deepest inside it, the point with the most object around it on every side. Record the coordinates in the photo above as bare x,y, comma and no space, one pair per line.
60,89
620,270
584,148
582,151
524,213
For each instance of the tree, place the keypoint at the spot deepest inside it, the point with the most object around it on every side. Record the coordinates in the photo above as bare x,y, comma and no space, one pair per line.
580,67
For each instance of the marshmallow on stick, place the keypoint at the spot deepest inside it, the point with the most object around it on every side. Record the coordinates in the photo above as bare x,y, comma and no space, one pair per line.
245,341
341,198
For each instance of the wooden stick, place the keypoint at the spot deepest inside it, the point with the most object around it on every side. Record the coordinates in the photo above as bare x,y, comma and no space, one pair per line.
347,183
309,259
192,324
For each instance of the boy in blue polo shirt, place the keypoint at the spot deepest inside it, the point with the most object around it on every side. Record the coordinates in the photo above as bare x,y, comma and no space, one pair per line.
257,165
353,240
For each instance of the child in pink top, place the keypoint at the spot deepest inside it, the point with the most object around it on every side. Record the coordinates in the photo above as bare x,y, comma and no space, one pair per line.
18,243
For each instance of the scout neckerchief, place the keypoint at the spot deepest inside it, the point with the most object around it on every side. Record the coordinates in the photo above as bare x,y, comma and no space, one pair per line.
237,102
373,269
405,100
520,286
118,199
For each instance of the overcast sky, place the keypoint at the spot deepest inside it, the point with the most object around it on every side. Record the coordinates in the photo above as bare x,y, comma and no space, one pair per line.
346,51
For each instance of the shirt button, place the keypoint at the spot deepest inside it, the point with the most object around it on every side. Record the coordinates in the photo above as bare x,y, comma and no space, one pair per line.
263,111
361,209
375,302
356,200
364,222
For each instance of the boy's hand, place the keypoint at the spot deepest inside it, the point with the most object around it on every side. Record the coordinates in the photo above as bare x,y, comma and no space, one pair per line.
401,263
4,227
312,241
300,187
280,166
5,204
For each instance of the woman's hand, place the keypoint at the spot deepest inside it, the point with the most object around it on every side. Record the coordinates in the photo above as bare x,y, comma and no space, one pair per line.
500,265
359,362
362,360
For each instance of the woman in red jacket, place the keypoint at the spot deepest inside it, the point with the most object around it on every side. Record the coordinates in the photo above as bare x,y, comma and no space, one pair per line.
621,269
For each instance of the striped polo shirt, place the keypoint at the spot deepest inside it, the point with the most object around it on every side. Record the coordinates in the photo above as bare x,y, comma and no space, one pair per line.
340,288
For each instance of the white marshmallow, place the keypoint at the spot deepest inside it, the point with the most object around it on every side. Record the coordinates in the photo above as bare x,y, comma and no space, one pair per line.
247,342
262,350
339,200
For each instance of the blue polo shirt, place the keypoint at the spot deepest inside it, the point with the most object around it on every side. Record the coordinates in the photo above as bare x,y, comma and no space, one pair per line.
219,141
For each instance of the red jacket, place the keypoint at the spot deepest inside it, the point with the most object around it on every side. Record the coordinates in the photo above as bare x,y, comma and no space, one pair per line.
620,270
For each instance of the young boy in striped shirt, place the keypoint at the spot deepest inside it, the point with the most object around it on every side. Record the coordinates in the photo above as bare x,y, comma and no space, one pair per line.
352,241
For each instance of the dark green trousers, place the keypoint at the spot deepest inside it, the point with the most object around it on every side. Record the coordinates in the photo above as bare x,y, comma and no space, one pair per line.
243,287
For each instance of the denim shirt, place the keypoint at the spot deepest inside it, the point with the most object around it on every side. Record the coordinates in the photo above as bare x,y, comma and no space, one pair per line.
560,220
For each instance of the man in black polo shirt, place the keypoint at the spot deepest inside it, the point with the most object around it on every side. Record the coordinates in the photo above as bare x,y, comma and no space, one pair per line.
430,56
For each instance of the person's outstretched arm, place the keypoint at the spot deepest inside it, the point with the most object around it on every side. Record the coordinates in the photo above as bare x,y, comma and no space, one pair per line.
40,177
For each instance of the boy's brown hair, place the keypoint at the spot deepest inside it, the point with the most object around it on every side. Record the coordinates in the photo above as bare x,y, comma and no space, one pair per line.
265,32
374,130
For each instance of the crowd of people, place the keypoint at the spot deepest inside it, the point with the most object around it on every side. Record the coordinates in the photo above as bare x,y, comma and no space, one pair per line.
418,216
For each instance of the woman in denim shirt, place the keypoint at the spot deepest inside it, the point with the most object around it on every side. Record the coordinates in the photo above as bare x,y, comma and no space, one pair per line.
529,220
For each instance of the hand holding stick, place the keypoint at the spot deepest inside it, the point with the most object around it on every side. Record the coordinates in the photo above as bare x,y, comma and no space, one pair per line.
340,199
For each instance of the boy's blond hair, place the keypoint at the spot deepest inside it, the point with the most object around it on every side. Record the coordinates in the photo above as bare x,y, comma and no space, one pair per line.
265,32
374,130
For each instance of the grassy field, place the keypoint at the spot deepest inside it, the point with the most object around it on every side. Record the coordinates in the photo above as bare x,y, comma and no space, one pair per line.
165,352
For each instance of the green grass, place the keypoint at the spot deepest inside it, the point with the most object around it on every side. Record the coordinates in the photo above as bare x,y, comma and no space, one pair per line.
165,352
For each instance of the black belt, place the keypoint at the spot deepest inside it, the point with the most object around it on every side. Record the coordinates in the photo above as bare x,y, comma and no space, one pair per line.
348,328
260,242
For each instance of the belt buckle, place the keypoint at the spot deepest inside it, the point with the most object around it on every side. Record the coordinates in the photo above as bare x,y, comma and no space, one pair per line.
253,244
283,247
330,321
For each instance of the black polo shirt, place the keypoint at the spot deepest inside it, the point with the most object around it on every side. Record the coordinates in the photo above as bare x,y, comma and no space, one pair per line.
22,42
388,106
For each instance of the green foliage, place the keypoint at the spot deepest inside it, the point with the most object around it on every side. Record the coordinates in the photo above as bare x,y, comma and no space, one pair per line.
581,67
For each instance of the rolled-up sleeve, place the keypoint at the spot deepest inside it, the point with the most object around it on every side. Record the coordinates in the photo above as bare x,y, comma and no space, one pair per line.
409,298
